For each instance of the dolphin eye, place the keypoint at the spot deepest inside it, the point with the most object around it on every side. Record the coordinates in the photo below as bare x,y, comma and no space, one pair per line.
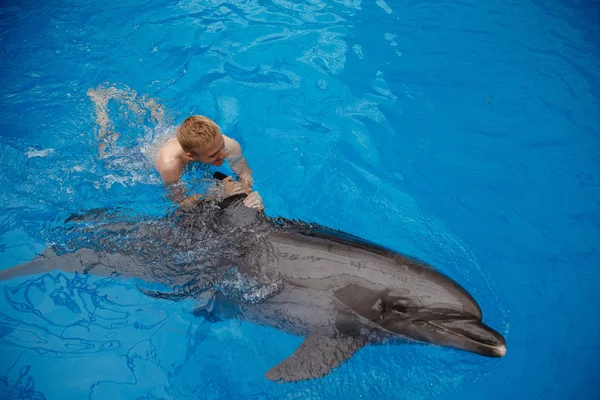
399,308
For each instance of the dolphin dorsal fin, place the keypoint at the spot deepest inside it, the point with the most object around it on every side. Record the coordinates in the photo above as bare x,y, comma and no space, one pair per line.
315,358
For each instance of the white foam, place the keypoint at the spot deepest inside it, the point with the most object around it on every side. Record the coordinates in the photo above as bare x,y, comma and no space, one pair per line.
392,39
358,50
31,153
384,6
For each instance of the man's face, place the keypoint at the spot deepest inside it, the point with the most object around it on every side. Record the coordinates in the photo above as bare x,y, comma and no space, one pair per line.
214,153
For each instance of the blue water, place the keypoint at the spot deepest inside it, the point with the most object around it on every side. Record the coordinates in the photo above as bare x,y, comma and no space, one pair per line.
465,133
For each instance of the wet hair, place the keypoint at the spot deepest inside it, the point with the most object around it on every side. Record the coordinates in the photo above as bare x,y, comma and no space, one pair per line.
195,132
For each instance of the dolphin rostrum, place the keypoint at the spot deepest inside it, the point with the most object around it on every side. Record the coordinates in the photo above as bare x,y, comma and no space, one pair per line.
336,290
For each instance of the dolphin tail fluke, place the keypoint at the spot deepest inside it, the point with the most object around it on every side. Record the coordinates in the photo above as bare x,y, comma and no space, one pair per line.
82,261
43,263
207,314
315,358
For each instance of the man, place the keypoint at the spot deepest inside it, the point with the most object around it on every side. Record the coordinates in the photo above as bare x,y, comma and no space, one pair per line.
199,139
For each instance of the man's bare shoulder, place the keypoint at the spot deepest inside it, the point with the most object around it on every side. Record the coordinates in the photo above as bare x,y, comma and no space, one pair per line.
170,170
169,163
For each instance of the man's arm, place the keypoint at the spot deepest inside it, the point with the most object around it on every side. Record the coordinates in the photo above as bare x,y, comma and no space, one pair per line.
170,171
228,187
238,163
177,192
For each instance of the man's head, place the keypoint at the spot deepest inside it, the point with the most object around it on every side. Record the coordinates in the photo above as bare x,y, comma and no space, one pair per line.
201,139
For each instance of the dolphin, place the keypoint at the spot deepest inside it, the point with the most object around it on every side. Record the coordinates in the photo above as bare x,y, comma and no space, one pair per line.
338,291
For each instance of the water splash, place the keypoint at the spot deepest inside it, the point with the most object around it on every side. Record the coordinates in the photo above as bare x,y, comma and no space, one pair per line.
184,249
140,109
130,129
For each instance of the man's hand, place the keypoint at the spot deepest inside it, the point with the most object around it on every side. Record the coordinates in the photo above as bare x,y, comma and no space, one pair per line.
190,201
231,187
254,201
246,182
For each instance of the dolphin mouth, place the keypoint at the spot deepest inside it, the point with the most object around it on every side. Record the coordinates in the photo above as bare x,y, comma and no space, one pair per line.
464,334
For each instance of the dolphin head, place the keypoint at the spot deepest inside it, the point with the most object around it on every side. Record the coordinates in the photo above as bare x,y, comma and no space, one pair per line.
451,318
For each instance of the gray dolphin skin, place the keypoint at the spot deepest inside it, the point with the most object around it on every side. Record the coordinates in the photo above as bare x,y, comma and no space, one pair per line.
338,291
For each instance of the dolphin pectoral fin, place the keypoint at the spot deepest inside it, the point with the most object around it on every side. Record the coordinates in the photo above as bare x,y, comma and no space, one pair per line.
207,314
207,310
220,308
315,358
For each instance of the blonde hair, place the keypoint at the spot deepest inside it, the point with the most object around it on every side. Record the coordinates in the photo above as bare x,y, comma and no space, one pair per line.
196,131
